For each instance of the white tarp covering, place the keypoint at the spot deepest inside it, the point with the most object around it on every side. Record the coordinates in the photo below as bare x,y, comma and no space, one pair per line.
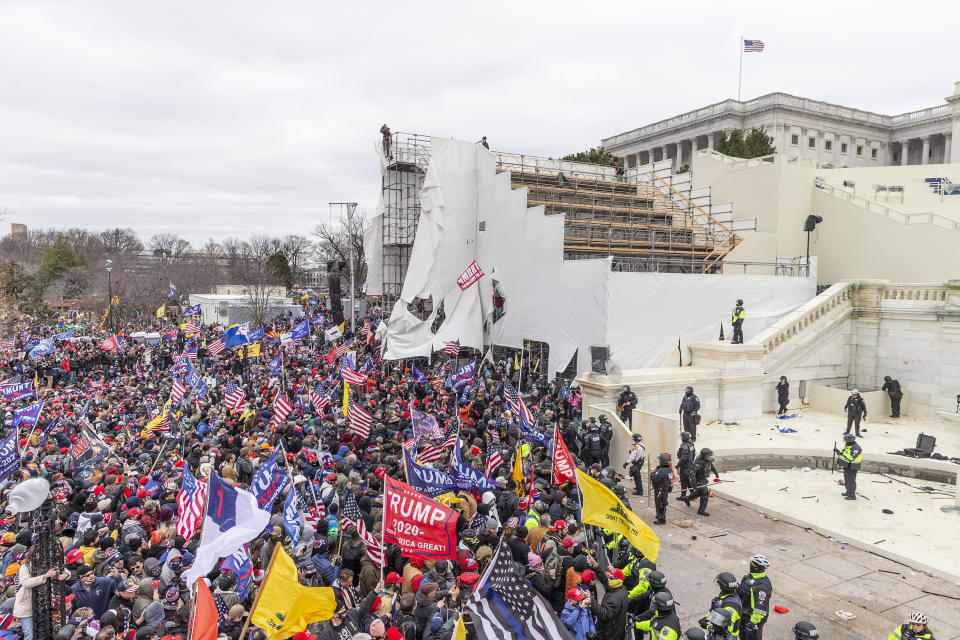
650,312
570,305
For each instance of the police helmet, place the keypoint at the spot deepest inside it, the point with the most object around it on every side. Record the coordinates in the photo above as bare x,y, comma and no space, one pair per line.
626,388
656,579
685,436
663,601
760,560
607,482
805,631
720,618
849,437
726,581
619,490
739,301
706,454
664,459
688,390
693,633
887,378
604,418
855,392
637,437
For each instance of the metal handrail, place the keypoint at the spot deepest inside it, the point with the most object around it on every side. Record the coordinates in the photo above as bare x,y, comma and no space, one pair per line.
885,210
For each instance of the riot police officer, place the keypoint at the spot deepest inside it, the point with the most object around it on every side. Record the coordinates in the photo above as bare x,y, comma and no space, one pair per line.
755,592
664,625
626,403
661,481
592,445
657,583
636,463
702,467
737,318
856,409
892,387
728,601
689,406
686,454
850,458
606,434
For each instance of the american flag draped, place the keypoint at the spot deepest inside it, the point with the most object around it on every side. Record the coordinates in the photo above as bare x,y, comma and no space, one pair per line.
350,515
352,377
234,396
190,501
504,605
494,460
360,421
519,409
452,348
216,346
176,394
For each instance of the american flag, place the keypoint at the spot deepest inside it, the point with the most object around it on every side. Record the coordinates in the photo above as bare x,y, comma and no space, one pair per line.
191,327
222,612
139,371
7,344
176,394
351,376
350,515
234,397
365,331
339,351
320,401
216,346
190,351
518,611
494,460
281,409
360,421
430,454
453,436
516,404
452,348
190,501
753,45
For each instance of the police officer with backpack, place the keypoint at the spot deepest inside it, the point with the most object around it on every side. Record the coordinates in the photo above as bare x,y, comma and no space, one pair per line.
702,467
636,463
592,445
689,406
686,454
661,481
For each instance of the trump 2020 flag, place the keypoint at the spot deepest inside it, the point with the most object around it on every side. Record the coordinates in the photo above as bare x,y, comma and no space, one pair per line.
28,415
291,516
43,348
300,330
268,483
9,458
232,519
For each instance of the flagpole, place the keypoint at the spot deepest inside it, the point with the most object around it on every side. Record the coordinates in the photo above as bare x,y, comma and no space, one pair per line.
383,528
256,601
740,74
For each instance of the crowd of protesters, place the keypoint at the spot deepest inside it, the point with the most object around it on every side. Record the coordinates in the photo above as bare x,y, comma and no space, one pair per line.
123,558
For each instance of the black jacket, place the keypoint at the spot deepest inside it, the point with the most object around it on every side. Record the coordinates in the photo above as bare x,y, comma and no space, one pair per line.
855,406
660,479
612,614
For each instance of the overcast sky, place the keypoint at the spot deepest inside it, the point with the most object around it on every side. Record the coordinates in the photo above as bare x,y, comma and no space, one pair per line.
212,119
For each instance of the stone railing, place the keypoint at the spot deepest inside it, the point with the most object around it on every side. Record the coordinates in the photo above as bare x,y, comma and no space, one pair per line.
832,302
914,117
885,210
738,164
916,293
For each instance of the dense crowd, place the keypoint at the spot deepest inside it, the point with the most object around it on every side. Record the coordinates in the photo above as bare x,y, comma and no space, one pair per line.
119,520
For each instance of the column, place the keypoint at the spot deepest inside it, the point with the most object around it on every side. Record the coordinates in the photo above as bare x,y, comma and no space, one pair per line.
678,156
946,147
904,152
926,149
710,140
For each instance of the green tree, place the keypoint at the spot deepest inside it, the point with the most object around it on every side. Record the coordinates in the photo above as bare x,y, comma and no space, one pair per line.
595,155
277,263
56,259
756,143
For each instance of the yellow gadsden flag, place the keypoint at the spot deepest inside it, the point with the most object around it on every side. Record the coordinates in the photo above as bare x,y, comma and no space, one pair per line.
602,508
161,310
253,350
286,607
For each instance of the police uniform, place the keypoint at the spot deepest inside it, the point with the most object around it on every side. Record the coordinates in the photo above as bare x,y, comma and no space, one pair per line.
626,403
892,387
661,482
636,466
686,454
592,446
856,409
665,625
850,458
754,593
730,602
689,406
737,318
701,469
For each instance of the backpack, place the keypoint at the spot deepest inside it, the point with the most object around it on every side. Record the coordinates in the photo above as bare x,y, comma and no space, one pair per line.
594,440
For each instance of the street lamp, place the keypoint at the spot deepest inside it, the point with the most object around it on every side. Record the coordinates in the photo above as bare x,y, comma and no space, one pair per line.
109,268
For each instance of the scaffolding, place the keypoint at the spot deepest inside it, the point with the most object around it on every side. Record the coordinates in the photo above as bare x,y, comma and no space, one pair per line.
400,184
639,219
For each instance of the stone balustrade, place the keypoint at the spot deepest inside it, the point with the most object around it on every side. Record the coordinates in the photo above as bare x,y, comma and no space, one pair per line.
834,299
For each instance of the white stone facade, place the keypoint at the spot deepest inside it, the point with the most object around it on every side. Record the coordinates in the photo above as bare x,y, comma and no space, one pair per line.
832,135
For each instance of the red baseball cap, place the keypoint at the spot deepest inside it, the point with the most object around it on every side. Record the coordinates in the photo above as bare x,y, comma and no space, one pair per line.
394,578
559,524
615,574
73,556
576,595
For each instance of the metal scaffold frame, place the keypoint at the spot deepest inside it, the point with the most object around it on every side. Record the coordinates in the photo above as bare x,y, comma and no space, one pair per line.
400,184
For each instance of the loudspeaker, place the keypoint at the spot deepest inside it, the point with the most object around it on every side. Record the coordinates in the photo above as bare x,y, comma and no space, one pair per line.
336,303
598,359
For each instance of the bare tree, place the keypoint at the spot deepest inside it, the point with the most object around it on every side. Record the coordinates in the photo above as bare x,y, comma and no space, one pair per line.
169,247
297,250
256,276
333,244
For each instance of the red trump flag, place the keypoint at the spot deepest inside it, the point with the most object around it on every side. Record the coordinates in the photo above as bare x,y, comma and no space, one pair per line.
418,525
563,467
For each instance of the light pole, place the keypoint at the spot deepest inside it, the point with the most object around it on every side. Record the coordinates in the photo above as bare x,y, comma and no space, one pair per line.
351,207
109,267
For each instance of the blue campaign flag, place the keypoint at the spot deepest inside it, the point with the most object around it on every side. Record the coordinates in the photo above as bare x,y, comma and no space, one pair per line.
368,365
43,348
9,458
466,392
319,318
466,476
237,335
20,391
300,330
291,516
418,375
29,345
240,564
28,415
46,433
464,374
426,480
66,335
191,311
201,390
256,334
172,291
193,377
276,367
268,482
532,435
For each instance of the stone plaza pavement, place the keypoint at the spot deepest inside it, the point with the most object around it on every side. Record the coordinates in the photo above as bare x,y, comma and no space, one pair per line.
812,576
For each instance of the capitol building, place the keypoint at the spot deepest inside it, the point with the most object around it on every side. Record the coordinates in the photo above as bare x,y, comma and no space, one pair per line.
833,135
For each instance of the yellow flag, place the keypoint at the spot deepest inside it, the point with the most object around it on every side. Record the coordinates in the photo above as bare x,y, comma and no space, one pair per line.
342,326
253,350
448,499
161,417
518,472
460,631
346,398
36,381
161,310
602,508
285,607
